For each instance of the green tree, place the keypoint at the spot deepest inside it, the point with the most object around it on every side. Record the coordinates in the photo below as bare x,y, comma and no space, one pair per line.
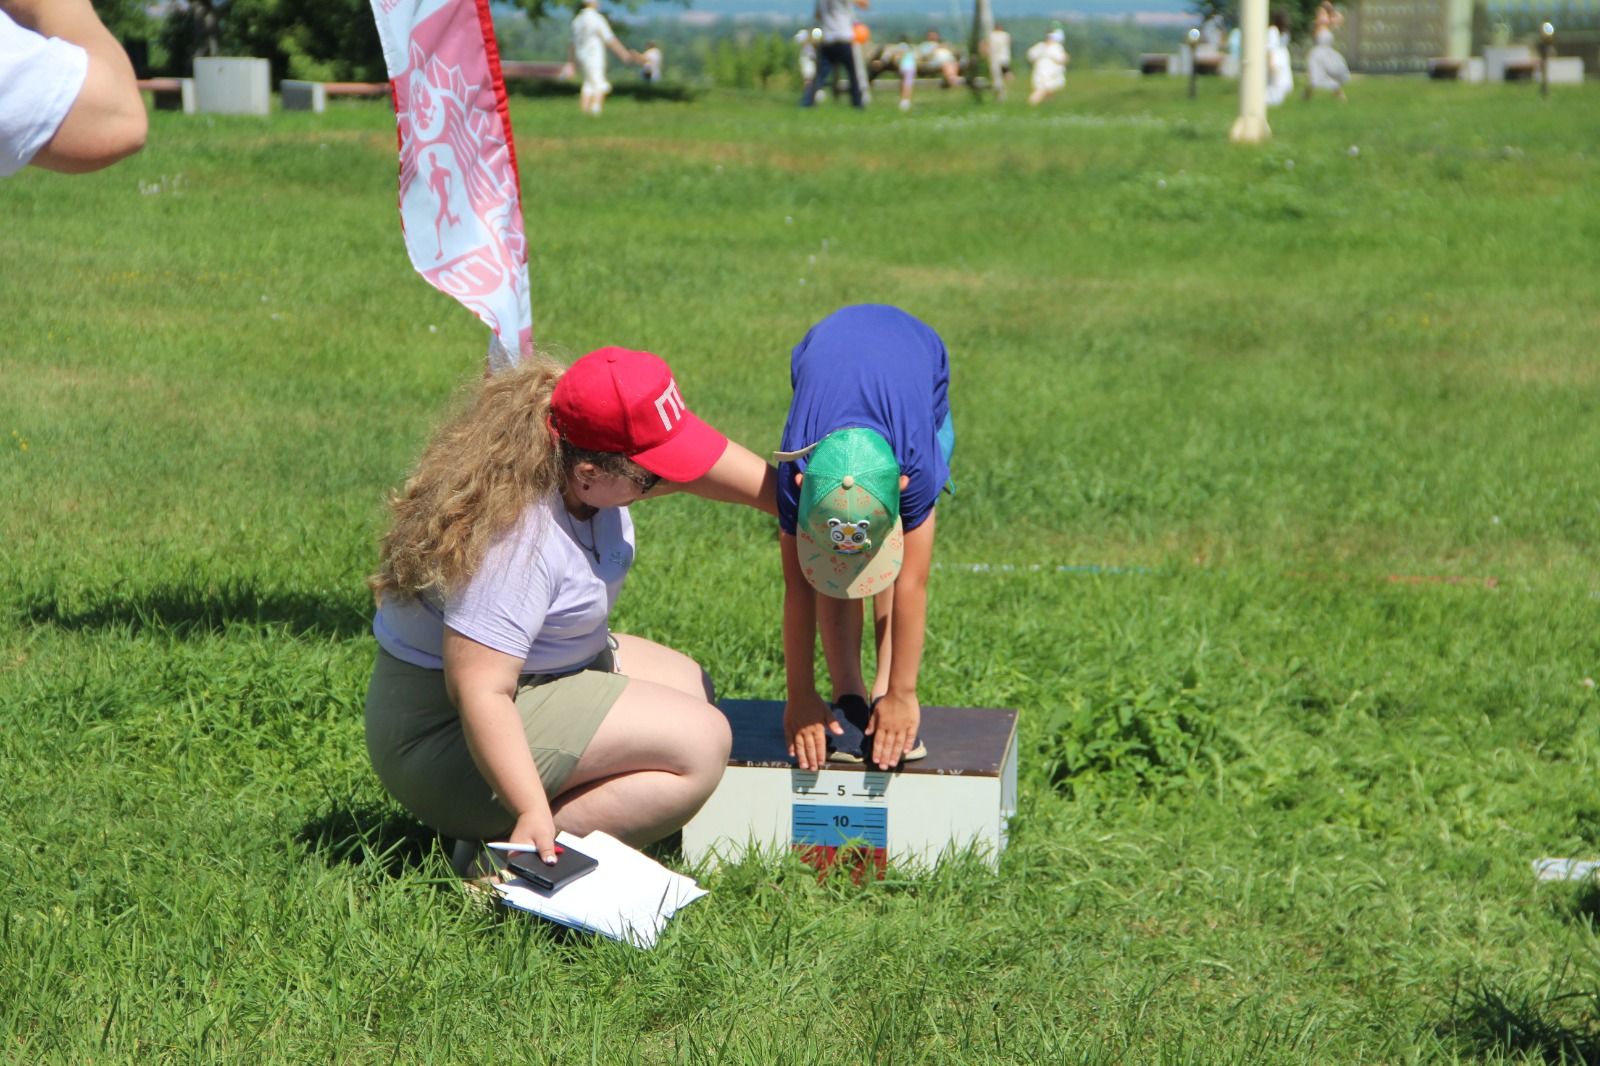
126,19
323,40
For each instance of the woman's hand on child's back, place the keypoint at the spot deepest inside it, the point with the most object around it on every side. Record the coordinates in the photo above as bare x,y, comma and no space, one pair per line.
806,724
893,728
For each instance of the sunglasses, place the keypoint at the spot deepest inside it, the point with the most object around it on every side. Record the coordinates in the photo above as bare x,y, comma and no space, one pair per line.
645,480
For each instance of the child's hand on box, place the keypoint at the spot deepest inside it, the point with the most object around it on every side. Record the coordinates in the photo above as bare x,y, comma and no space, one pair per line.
893,728
807,721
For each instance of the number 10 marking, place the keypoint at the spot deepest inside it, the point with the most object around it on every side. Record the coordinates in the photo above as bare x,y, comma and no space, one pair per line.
836,826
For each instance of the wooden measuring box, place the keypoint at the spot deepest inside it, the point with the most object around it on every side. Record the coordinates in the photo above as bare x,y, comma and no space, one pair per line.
959,797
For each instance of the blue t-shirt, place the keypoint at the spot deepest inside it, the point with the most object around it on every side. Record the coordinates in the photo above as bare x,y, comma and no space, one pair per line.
875,366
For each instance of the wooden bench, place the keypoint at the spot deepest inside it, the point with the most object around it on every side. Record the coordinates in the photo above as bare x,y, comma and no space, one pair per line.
886,60
531,70
1154,63
1521,69
170,94
313,95
359,89
1443,68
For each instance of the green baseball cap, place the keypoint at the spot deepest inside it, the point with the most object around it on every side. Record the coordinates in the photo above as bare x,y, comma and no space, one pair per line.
848,530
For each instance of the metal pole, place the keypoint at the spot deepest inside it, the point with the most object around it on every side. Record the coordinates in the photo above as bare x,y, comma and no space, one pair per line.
1547,39
1251,125
1194,45
982,32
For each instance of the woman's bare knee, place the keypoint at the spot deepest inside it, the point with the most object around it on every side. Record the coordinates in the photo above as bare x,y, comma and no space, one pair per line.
649,661
656,727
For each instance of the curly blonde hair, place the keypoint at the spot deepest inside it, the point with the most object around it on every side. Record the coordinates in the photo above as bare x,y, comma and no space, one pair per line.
477,477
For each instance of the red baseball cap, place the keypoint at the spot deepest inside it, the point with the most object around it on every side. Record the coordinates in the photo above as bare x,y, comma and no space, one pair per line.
626,402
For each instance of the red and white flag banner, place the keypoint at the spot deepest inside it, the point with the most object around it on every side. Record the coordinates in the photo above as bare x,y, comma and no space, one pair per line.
460,206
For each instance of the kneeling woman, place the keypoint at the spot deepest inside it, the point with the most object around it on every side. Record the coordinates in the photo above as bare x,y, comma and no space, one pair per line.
501,705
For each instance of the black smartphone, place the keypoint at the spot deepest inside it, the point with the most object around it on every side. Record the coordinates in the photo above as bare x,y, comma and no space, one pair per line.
569,866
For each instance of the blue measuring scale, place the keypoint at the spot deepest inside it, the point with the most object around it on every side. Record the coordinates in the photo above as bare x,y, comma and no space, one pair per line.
829,825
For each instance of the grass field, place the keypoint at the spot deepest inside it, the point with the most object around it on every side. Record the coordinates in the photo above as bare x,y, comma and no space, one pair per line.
1281,462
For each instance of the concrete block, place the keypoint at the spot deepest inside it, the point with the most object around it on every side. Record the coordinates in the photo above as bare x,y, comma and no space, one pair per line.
303,96
1496,58
1565,70
233,85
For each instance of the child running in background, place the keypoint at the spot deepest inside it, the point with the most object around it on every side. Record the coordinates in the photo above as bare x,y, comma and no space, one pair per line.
650,64
908,72
1049,59
866,452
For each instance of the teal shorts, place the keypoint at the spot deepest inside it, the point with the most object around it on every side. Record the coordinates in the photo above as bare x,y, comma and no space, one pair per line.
419,749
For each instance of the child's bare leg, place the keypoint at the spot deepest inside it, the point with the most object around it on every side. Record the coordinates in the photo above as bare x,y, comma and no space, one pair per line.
882,618
840,624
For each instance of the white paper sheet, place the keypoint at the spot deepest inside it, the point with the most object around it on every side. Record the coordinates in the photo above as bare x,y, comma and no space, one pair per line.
628,897
1566,869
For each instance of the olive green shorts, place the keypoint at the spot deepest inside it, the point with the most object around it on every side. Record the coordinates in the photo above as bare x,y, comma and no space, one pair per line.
419,749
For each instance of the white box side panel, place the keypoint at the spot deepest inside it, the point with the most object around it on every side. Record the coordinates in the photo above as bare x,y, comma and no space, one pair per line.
925,815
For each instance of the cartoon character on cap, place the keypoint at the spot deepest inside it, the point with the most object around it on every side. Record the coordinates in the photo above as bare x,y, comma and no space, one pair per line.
850,539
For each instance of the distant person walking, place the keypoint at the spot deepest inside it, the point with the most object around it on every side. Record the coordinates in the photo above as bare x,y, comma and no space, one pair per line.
836,49
1280,77
1049,60
592,37
860,37
68,98
998,50
806,41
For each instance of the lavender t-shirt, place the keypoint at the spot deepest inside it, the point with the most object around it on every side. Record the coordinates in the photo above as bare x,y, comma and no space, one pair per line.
543,592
